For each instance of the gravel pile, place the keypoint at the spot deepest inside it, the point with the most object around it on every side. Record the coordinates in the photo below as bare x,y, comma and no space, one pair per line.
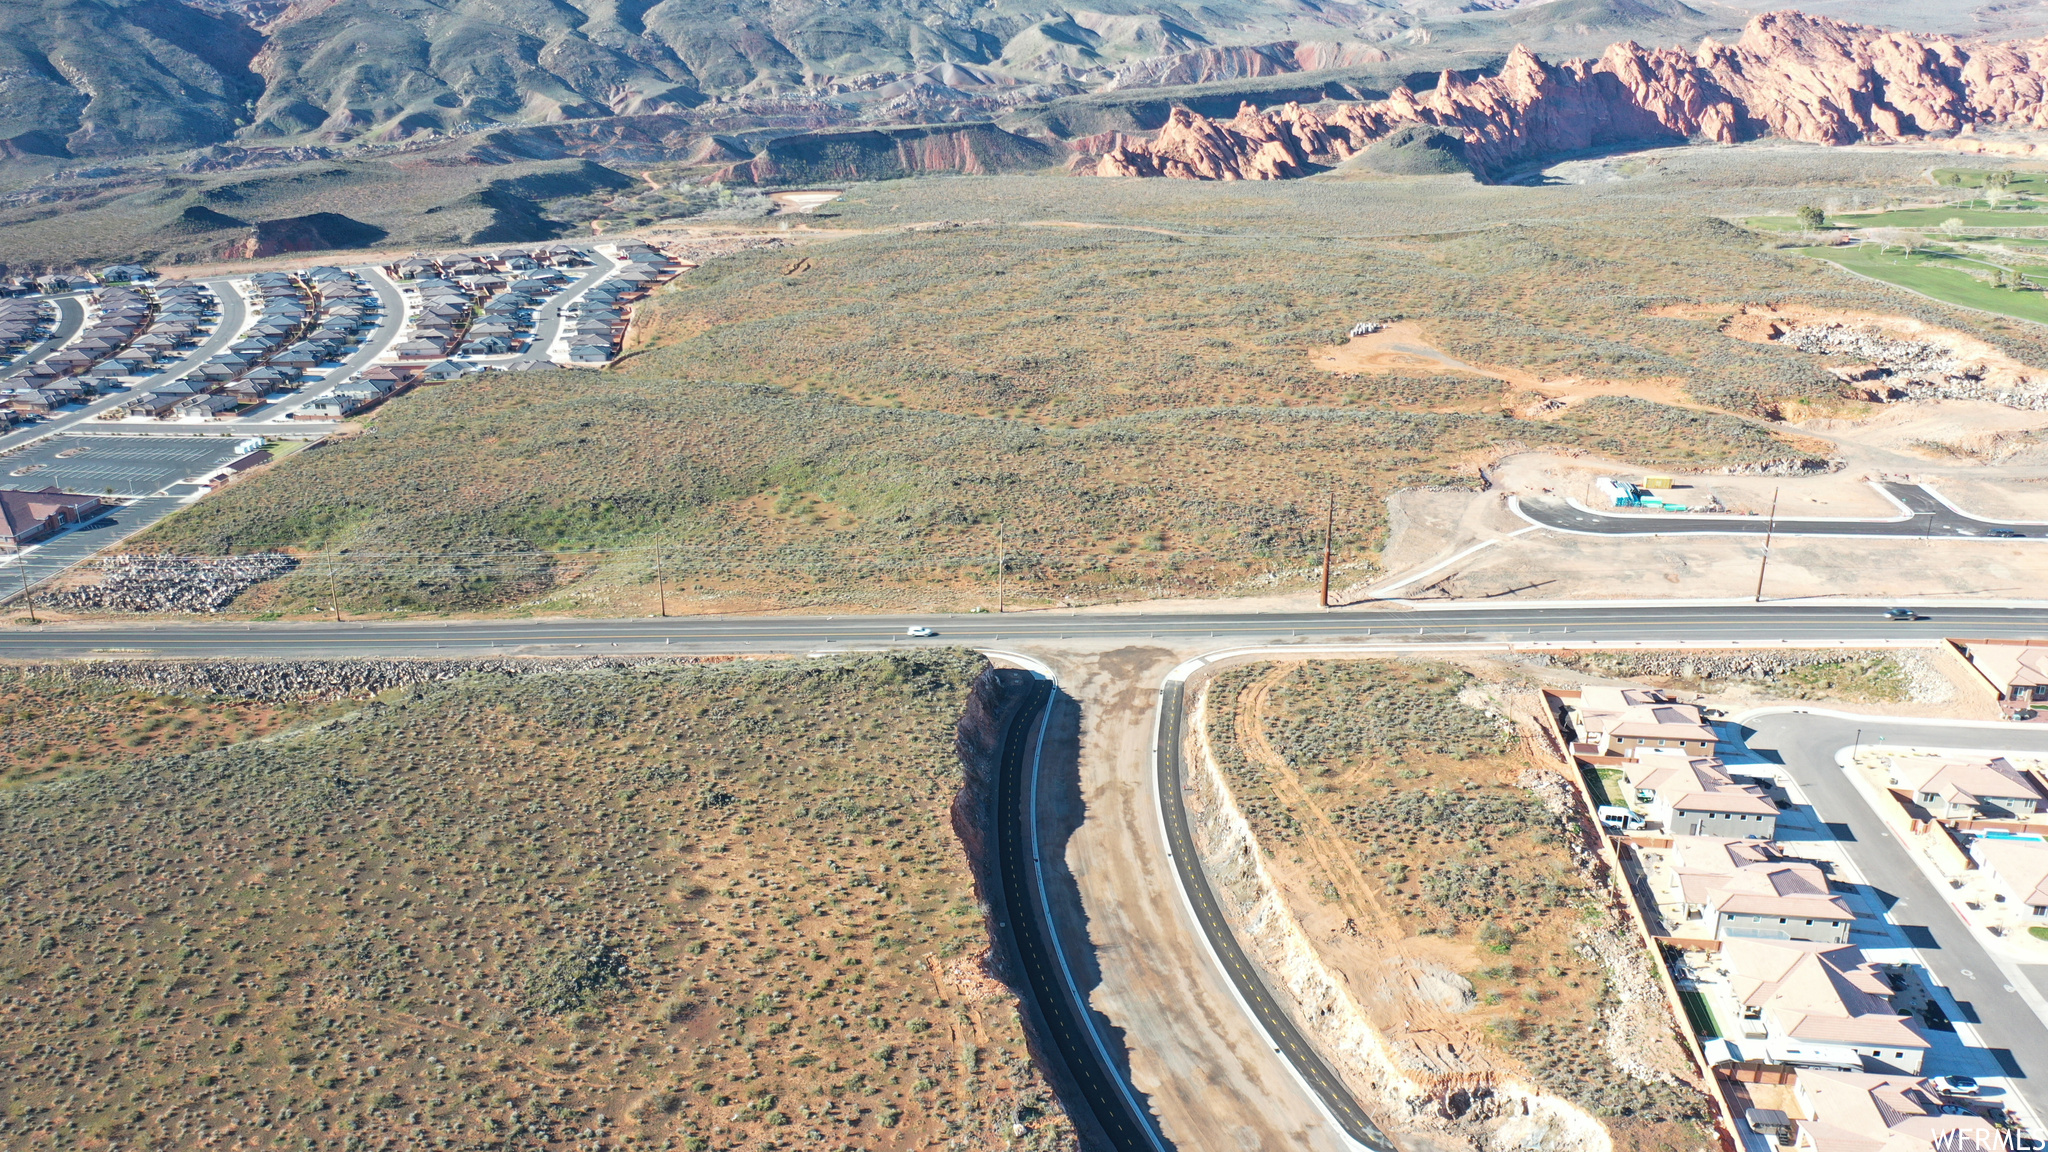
155,584
325,679
1909,369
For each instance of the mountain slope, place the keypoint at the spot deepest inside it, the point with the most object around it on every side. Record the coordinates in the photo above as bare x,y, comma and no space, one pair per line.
107,77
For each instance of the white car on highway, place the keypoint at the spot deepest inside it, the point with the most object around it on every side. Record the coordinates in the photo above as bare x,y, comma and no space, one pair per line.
919,630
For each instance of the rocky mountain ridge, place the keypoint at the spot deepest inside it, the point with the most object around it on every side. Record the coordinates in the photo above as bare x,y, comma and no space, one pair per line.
1790,75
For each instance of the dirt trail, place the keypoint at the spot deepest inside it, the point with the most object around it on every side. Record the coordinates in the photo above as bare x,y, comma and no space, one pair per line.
1201,1065
1358,901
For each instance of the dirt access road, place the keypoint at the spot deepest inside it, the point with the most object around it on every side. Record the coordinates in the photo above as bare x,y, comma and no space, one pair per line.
1200,1065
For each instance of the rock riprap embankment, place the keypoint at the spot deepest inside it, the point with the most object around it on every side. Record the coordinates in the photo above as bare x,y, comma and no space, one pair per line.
327,679
1911,369
170,584
1922,681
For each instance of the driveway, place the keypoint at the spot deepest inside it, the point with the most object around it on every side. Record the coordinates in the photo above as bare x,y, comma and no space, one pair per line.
2002,1015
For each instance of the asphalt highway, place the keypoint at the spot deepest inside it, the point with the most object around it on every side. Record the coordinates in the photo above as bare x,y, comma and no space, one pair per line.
1929,516
1065,1020
1652,625
1265,1008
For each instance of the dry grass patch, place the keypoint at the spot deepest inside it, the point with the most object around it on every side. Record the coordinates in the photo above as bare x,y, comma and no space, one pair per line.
1401,792
681,908
52,726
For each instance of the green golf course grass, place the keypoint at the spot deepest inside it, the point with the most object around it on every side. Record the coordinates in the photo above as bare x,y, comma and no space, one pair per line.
2036,182
1941,275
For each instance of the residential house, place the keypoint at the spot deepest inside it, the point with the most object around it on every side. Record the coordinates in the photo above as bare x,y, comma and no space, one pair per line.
2018,872
328,407
1749,889
153,405
1818,1005
395,375
70,360
1624,721
300,356
1967,789
586,353
206,407
1864,1112
30,402
2018,669
271,378
1694,796
418,349
487,346
29,516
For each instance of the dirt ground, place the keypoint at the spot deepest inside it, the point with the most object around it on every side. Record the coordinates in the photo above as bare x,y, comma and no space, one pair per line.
1202,1066
1543,565
1405,347
1833,494
1761,324
1402,347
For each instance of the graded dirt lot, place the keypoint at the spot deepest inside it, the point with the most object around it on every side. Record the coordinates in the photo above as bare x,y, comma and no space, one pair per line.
699,907
1521,564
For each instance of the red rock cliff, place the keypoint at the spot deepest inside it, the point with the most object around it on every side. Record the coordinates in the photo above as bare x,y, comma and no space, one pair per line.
1791,75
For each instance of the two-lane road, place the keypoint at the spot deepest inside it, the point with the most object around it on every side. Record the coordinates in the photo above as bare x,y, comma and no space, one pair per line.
1652,625
1926,515
1807,744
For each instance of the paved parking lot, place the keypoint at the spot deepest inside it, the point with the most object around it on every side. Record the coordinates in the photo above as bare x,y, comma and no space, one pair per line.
124,465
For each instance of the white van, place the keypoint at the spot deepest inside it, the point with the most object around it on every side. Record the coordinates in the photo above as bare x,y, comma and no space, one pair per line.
1618,819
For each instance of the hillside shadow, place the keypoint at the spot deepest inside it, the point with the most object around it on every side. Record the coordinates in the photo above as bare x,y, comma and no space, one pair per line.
1061,811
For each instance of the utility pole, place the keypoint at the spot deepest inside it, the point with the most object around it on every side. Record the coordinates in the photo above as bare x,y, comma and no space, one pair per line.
334,591
28,595
1765,561
661,579
1329,531
999,567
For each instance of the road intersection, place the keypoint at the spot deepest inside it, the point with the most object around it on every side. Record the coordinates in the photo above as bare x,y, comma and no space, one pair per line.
1804,743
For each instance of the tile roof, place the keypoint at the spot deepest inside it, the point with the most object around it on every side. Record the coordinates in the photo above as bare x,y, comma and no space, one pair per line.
1968,781
1752,878
1819,992
1860,1112
2020,865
